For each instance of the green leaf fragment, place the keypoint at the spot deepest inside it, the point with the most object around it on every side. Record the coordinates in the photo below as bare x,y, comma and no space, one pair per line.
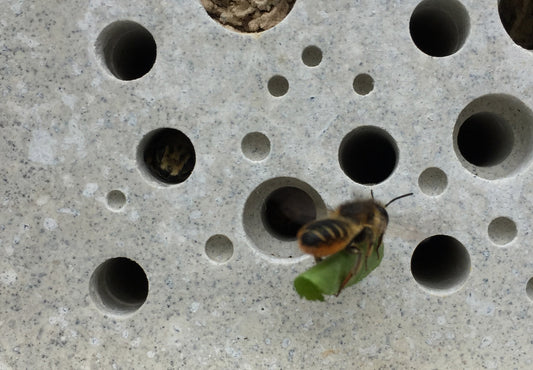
326,277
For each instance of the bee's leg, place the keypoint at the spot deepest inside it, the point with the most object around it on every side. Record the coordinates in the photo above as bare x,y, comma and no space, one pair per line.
380,240
353,271
362,243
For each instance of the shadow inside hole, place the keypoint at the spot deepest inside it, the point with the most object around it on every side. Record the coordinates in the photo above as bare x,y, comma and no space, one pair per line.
485,139
517,19
368,155
286,210
440,263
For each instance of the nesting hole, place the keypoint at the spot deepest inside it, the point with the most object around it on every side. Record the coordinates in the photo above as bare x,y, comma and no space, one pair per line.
255,146
116,200
286,210
485,139
278,86
275,211
493,136
119,286
529,289
502,231
219,248
433,181
439,27
248,16
166,156
363,84
368,155
127,49
440,264
517,19
312,56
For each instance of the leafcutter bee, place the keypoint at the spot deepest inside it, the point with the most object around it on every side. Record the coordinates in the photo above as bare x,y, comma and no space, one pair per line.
356,226
170,159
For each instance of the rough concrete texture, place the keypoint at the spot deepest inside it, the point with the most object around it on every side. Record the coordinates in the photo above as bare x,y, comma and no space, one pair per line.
103,265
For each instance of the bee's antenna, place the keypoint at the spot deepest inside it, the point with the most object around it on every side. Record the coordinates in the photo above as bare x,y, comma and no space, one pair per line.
394,199
372,193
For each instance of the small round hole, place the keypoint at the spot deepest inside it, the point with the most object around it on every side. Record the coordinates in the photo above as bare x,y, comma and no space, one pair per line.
440,264
274,212
439,27
312,56
485,139
432,181
219,248
529,289
278,86
119,286
363,84
127,49
248,16
255,146
368,155
502,231
517,19
116,200
167,156
286,210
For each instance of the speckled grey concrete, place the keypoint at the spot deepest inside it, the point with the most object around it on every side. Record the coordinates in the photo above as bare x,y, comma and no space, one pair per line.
70,132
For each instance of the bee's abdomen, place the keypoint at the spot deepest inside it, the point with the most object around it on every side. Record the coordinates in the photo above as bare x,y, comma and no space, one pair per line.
324,237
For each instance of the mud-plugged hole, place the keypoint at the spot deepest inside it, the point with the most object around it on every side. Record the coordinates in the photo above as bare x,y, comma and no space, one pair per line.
439,27
119,286
502,231
127,49
433,181
493,136
312,56
440,264
517,19
368,155
248,16
166,156
275,211
116,200
278,86
219,248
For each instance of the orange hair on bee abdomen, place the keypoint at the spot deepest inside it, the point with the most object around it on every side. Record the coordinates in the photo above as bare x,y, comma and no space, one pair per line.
324,237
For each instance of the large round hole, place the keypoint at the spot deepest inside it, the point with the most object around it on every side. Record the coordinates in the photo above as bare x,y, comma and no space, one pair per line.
127,49
286,210
493,136
119,286
274,212
166,155
517,19
439,27
440,264
248,16
368,155
485,139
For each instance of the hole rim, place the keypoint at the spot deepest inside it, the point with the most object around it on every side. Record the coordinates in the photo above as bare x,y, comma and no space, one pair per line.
449,19
112,46
355,144
256,146
502,231
103,287
261,240
449,282
147,146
